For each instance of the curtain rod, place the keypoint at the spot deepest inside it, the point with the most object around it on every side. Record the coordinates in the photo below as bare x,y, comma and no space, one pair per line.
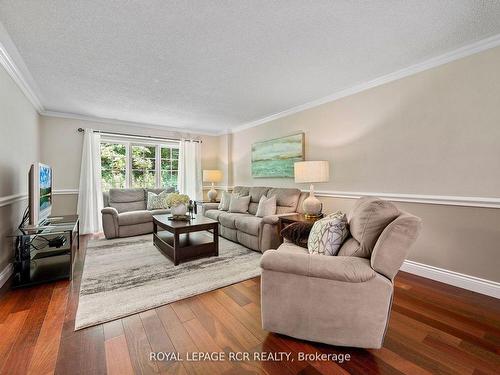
81,130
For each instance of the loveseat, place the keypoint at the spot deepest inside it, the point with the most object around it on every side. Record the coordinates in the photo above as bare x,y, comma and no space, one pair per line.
340,300
125,212
257,233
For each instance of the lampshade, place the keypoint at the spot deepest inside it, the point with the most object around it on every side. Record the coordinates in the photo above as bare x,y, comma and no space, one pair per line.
312,171
212,175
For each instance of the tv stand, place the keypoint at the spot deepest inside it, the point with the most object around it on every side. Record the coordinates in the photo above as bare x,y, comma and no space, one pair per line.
45,252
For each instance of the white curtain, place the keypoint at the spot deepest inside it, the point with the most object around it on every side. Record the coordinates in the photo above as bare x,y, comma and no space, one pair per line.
90,194
190,182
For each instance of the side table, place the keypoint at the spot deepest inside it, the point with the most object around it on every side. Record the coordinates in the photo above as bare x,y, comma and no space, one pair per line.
289,219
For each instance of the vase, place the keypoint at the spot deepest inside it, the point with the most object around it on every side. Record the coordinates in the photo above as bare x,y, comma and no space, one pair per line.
179,209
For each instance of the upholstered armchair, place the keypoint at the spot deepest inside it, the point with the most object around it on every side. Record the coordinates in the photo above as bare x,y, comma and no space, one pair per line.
340,300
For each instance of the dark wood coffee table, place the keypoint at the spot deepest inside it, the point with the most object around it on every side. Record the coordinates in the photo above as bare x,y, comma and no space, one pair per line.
181,240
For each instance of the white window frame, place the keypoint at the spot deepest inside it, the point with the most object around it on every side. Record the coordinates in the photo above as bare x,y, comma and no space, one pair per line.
129,142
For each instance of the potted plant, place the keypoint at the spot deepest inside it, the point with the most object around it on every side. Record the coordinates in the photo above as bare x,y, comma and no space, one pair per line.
177,203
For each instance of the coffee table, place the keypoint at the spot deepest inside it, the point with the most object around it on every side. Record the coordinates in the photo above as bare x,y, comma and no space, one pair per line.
181,240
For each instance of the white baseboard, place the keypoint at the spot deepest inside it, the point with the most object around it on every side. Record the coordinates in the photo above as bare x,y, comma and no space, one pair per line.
5,274
475,284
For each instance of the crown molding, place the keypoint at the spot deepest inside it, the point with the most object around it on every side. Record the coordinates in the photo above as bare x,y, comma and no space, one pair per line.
104,120
18,78
470,49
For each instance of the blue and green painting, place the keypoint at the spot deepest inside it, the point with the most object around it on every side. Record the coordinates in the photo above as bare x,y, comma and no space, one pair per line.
275,157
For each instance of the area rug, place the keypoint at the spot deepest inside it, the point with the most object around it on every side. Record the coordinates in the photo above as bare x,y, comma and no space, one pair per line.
128,275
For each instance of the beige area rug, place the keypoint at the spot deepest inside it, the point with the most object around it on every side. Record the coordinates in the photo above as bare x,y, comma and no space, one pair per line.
128,275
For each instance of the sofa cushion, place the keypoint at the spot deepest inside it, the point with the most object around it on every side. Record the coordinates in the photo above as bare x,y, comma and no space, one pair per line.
289,247
213,214
349,247
129,207
256,193
135,217
267,206
286,199
225,199
249,224
169,189
239,204
228,219
126,195
241,190
367,220
162,211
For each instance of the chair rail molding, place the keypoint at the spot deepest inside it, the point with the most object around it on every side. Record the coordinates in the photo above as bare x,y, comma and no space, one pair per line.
448,200
10,199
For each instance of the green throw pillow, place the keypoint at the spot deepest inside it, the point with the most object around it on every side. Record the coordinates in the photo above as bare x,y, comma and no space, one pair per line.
327,234
157,201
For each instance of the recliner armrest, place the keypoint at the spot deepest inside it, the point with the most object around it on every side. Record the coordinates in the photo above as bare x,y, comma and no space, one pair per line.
340,268
208,206
110,211
273,219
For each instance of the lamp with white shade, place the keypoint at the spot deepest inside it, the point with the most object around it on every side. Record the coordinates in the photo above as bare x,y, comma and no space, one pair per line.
213,176
312,172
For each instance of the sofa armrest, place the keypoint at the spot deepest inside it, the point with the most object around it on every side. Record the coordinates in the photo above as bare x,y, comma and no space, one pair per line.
208,206
273,219
110,222
348,269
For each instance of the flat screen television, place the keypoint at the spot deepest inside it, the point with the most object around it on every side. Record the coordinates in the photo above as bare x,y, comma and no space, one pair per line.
40,193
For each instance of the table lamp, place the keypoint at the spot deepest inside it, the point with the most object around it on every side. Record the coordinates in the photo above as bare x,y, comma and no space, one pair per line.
213,176
310,172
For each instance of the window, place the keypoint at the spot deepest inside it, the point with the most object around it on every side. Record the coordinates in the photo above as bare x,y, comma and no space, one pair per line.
169,166
143,166
127,164
113,165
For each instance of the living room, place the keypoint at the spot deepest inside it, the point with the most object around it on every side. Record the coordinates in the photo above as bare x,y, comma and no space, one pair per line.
285,187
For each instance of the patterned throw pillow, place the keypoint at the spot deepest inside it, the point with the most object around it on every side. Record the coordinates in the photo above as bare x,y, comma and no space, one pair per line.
327,234
157,201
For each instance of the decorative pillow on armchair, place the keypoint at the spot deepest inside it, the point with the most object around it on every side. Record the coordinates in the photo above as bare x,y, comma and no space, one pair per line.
157,201
297,233
327,234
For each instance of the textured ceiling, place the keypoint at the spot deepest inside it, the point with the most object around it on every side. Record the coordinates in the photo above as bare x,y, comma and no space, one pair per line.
214,65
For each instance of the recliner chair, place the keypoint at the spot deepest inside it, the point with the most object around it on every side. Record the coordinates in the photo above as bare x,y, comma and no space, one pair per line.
341,300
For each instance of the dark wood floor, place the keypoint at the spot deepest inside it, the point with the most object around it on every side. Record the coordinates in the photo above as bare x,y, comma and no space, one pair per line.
434,328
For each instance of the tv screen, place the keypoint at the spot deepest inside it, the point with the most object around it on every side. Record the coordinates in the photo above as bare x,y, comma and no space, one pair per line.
45,183
40,193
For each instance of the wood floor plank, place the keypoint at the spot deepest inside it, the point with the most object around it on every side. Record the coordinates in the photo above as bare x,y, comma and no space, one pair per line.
117,356
159,341
10,329
113,329
8,303
138,345
47,344
22,350
182,310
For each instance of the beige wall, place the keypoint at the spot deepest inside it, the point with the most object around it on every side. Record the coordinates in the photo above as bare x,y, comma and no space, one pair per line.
61,146
18,149
435,133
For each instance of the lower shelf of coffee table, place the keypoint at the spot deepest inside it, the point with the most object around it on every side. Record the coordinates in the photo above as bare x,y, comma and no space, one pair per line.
190,245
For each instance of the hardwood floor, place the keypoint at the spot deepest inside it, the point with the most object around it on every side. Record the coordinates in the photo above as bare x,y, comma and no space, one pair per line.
434,328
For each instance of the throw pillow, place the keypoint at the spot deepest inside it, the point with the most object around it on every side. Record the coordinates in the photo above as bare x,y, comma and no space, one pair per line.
239,204
225,199
327,235
267,206
157,201
297,233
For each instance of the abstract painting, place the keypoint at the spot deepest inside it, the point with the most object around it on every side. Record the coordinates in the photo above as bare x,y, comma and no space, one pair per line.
275,157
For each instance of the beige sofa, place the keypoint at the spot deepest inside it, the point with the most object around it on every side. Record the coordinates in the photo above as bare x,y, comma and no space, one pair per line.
340,300
254,232
125,214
